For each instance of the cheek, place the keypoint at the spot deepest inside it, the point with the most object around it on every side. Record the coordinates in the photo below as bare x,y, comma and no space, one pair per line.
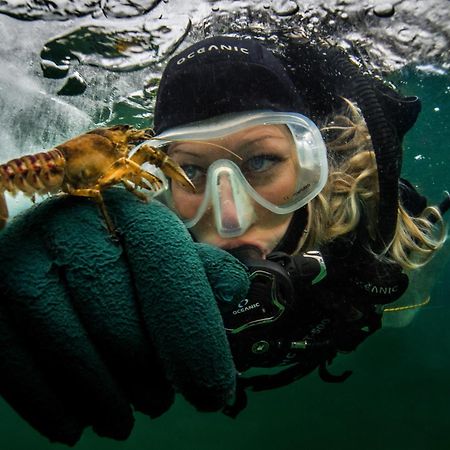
267,220
185,203
281,189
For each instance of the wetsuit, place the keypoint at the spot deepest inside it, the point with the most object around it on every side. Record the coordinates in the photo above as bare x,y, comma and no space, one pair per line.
341,310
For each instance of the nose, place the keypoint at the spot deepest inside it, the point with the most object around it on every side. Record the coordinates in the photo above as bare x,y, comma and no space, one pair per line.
232,205
229,217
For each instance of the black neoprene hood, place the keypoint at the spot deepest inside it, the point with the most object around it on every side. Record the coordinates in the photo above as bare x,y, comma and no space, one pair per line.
221,75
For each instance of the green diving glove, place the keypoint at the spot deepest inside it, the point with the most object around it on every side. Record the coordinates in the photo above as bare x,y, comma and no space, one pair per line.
94,326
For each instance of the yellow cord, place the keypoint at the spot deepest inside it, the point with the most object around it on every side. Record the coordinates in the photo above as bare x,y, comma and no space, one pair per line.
403,308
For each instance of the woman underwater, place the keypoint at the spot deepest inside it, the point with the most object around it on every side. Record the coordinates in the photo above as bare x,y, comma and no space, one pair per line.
296,168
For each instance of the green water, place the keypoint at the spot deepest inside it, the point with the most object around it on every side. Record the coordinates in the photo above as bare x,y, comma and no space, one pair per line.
399,394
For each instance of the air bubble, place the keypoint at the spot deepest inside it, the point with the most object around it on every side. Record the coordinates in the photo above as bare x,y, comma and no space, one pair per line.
285,8
406,35
384,10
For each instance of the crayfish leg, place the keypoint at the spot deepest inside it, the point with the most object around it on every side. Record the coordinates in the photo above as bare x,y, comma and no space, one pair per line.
115,174
130,188
155,182
126,169
96,195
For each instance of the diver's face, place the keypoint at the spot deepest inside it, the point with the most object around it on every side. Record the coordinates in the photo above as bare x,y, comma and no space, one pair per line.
265,155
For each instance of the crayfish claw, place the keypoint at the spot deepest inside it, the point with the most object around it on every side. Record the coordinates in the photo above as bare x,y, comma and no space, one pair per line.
146,153
174,171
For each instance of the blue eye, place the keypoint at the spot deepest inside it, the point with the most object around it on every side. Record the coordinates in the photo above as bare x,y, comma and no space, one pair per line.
189,171
193,172
260,163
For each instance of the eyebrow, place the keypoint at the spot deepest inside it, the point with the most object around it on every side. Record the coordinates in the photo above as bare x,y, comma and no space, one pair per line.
206,143
249,142
186,152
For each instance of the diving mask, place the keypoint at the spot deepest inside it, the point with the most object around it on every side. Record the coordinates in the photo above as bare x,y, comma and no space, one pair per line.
241,162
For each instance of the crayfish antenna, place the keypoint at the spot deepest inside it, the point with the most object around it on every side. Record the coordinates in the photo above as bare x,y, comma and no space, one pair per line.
3,210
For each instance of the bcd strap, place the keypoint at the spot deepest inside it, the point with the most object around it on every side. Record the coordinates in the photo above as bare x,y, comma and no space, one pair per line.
265,382
282,378
328,377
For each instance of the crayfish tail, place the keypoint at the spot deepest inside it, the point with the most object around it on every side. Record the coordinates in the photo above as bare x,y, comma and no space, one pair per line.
39,173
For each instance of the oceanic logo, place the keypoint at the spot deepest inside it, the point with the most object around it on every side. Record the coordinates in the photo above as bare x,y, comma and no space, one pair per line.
376,289
243,306
243,303
213,48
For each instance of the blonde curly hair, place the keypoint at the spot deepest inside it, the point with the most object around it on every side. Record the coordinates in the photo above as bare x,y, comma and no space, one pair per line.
351,194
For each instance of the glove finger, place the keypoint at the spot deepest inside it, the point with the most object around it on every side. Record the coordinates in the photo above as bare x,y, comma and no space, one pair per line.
177,302
227,276
41,305
24,386
99,280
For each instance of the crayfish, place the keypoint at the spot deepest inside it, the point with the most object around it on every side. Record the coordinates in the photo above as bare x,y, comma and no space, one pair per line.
86,165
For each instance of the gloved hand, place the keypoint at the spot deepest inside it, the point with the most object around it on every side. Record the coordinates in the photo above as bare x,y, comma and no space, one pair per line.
92,325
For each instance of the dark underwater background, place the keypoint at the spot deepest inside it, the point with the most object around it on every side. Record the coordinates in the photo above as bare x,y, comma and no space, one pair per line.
69,65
